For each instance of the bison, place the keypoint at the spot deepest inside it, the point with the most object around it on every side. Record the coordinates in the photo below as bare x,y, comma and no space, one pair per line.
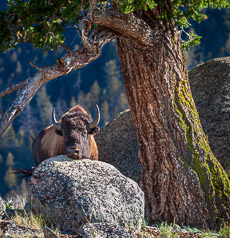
72,135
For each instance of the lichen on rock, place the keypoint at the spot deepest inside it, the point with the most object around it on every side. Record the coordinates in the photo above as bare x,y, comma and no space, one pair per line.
71,193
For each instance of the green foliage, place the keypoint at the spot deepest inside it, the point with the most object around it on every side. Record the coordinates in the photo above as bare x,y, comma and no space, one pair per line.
206,234
128,6
182,11
192,41
167,231
224,231
144,222
43,23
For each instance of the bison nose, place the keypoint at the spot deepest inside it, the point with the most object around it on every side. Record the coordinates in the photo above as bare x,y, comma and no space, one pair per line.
73,153
77,151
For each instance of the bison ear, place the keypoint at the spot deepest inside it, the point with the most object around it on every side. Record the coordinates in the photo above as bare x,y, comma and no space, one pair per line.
94,130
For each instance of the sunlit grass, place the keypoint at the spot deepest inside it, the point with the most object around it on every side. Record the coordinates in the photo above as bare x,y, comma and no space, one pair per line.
29,220
167,231
225,231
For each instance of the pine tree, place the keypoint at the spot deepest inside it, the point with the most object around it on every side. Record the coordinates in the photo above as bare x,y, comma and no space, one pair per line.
115,88
60,107
9,139
123,102
81,99
105,112
73,102
28,122
1,159
10,178
44,106
94,95
10,160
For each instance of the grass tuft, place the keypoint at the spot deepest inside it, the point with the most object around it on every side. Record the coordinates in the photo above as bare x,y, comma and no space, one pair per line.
225,231
167,231
29,220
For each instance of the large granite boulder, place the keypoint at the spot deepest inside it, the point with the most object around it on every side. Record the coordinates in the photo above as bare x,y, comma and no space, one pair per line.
210,85
76,194
117,145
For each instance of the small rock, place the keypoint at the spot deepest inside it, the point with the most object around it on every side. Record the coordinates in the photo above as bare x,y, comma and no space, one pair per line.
2,208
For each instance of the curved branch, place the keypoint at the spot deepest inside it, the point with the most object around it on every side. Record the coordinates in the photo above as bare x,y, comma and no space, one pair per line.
128,25
14,87
70,61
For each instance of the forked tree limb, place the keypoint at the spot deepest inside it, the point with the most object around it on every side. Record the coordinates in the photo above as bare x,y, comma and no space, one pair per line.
76,60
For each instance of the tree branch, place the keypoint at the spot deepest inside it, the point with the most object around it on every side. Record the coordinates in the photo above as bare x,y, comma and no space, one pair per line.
14,87
128,25
86,25
78,59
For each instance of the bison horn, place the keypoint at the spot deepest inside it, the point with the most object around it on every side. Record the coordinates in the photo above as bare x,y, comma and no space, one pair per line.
56,124
95,122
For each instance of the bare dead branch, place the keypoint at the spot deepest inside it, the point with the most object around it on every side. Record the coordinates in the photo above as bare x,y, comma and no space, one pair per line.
67,63
14,87
34,65
92,5
66,48
86,25
128,25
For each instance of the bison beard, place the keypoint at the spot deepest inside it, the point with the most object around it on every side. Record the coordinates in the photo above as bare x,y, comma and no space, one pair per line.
72,135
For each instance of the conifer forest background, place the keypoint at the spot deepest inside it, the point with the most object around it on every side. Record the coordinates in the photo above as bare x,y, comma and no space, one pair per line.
98,83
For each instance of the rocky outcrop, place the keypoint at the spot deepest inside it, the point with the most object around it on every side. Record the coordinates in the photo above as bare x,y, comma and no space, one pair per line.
71,194
210,85
117,145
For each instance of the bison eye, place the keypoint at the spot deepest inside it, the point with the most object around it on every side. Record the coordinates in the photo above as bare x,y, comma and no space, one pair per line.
94,130
84,133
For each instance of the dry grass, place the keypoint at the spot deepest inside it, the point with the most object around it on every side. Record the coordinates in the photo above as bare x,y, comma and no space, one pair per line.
29,220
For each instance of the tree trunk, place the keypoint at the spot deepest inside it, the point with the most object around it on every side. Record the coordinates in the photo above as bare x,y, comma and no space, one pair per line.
182,180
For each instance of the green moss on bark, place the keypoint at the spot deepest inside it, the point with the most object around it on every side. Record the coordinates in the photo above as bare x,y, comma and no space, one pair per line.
213,179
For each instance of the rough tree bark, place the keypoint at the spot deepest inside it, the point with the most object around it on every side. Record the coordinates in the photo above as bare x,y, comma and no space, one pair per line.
182,180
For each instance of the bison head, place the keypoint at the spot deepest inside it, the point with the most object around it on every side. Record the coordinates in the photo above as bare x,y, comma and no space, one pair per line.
77,129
